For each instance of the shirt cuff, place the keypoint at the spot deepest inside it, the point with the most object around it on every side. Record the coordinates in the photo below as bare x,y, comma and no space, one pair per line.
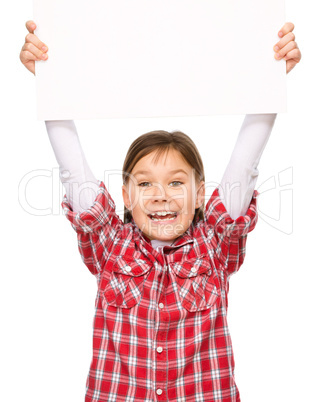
100,213
217,216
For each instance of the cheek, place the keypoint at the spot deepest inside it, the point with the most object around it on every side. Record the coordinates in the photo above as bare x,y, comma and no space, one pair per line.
186,197
134,199
139,204
179,195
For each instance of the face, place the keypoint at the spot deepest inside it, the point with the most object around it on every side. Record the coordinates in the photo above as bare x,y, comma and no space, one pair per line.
162,195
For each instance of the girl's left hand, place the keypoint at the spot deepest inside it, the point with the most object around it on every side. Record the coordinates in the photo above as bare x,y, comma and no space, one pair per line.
287,48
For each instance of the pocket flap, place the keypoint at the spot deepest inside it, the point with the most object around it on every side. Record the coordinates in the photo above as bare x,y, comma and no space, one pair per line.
131,266
192,267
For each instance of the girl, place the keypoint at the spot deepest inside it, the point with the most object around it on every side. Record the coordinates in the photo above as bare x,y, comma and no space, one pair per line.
160,328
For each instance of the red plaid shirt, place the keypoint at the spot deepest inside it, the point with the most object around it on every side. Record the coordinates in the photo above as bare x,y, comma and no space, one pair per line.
160,327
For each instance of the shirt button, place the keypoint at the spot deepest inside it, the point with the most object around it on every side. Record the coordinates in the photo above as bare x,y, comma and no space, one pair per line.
210,272
128,269
193,269
65,174
159,349
159,391
161,305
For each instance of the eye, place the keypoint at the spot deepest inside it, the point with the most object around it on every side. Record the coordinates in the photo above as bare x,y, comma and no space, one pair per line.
176,183
144,184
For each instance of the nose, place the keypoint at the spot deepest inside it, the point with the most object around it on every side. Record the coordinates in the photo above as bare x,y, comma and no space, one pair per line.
159,193
155,193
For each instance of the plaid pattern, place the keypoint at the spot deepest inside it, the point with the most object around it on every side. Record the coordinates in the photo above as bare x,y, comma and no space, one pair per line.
160,327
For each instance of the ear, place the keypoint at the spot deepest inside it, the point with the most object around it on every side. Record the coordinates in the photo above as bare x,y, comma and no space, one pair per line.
126,197
200,195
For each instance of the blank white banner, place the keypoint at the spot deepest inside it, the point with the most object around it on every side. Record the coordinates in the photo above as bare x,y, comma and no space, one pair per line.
157,58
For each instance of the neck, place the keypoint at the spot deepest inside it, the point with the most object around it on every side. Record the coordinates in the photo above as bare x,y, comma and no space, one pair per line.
160,243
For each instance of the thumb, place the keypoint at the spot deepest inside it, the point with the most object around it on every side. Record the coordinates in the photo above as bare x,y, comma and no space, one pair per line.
31,26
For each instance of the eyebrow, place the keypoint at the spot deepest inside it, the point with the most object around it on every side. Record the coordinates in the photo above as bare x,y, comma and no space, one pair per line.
141,172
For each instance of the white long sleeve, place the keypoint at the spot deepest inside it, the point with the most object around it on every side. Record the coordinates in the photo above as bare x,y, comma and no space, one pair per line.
240,177
80,183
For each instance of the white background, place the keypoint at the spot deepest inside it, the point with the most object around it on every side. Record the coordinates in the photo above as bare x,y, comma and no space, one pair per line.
47,294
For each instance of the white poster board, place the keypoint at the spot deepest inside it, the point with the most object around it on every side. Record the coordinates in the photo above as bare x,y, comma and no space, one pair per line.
151,58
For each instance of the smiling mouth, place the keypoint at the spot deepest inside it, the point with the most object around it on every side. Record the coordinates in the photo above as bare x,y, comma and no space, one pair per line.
162,216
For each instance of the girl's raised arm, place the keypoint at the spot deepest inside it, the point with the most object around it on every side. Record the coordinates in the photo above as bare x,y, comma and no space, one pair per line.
238,183
80,183
240,177
75,174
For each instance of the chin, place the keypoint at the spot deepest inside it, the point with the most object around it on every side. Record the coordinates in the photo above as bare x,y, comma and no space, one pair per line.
154,235
162,231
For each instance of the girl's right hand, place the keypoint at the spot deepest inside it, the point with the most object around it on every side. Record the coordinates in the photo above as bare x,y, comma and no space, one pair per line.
33,49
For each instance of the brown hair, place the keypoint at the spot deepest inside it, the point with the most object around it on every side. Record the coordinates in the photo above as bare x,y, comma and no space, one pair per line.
163,141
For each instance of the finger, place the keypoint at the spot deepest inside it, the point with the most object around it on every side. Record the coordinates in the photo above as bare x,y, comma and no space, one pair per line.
287,27
31,26
284,41
26,56
294,55
31,48
286,49
31,38
290,65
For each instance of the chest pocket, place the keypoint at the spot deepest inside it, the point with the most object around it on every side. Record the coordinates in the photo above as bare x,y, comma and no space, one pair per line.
125,285
198,284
